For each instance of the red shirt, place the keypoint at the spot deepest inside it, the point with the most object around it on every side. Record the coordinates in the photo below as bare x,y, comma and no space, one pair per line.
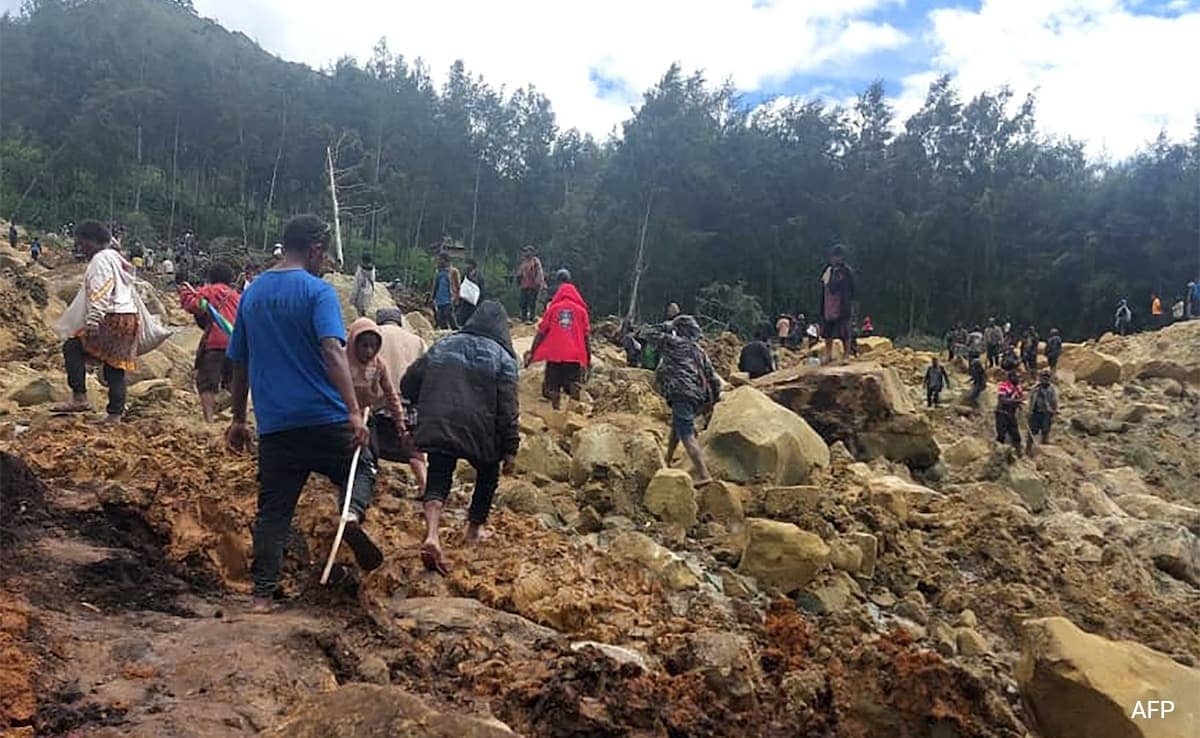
221,296
564,329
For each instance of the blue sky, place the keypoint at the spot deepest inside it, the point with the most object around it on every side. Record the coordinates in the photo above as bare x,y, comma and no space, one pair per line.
1113,73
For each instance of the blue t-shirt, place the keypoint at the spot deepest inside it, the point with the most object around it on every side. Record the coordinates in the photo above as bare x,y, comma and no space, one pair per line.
281,321
441,292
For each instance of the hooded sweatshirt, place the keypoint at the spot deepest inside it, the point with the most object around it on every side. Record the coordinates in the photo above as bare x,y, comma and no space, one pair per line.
466,391
564,329
222,297
372,385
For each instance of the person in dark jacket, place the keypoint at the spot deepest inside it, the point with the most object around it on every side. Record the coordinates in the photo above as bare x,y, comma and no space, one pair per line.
837,293
465,389
1043,406
687,380
978,380
1054,349
756,359
936,380
1010,397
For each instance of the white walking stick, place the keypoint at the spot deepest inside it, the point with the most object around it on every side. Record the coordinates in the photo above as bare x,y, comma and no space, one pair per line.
345,518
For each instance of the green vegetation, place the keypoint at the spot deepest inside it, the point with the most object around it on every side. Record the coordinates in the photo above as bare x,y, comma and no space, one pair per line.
140,110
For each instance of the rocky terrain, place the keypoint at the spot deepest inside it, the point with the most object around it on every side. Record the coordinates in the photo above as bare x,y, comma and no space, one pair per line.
865,567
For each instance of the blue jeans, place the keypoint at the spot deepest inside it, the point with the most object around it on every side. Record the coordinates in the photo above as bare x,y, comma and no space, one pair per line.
683,419
285,461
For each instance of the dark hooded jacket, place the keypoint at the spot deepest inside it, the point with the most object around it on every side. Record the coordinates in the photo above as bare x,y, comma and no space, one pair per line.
685,372
465,389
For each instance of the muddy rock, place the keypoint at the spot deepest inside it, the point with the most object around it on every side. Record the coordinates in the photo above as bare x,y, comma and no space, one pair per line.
671,498
965,451
621,463
721,502
525,497
540,454
665,564
900,496
37,392
970,642
1120,481
344,285
831,595
370,711
869,545
727,664
1023,478
418,323
752,438
874,344
1166,369
1149,507
1093,424
1091,366
154,365
866,406
789,503
1172,548
781,555
1084,686
845,556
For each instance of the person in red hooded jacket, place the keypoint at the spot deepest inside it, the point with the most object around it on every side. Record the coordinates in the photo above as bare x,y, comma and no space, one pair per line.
213,368
563,341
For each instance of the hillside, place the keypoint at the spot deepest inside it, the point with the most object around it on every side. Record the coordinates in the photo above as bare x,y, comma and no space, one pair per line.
924,585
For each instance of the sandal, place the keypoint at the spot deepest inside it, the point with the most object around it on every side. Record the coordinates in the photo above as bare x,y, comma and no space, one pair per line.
431,557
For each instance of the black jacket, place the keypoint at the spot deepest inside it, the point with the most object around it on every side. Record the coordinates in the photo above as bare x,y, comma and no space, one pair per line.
466,391
756,360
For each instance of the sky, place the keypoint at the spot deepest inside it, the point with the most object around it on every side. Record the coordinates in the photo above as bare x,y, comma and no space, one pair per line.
1113,73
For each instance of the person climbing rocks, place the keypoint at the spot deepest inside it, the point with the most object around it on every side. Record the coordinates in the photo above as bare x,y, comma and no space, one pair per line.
689,383
837,294
756,358
1156,311
12,235
214,370
1009,361
108,331
1054,349
475,289
444,295
976,343
401,349
993,338
1010,397
1043,406
1123,320
564,342
631,344
978,376
35,250
1029,349
936,380
467,408
364,285
533,281
288,349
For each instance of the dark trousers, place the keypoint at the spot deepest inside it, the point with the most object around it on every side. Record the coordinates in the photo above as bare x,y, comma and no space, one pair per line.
1008,430
285,461
993,356
933,396
465,311
445,318
529,299
76,361
976,391
441,477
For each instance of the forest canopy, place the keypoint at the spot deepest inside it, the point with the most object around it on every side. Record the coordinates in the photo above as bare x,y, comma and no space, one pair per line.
142,111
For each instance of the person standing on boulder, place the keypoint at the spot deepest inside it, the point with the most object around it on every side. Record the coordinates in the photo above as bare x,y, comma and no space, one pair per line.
936,380
110,324
533,281
444,295
837,292
563,341
1042,408
1123,320
1009,400
467,408
288,349
1054,349
364,285
213,368
690,385
756,358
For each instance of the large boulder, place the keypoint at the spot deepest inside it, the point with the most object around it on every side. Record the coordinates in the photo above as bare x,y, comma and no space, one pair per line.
965,451
418,323
1149,507
751,438
664,564
863,405
1080,685
1089,365
874,344
344,284
781,555
671,497
1172,548
620,463
1023,478
38,391
372,711
900,496
541,455
1161,368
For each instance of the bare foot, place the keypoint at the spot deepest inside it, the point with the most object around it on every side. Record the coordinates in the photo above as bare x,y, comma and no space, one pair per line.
262,606
477,533
432,557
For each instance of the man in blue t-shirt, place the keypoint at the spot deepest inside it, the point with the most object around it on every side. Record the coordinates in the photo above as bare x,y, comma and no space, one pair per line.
444,296
287,349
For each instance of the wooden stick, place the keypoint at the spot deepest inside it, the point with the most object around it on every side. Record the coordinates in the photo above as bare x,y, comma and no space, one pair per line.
345,517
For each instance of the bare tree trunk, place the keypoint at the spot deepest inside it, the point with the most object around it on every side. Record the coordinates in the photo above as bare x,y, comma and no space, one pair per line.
274,176
416,239
337,225
174,187
137,193
639,266
475,203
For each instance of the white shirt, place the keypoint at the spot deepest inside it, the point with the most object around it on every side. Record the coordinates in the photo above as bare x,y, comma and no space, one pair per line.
109,285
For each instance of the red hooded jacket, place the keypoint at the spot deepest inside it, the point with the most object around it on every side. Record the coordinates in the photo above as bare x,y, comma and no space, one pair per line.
564,329
221,296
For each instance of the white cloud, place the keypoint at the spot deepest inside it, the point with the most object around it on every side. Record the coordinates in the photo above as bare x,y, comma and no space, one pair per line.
1102,71
557,45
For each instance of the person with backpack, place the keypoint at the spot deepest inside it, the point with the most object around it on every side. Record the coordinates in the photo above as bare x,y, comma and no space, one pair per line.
1010,397
214,370
689,383
564,342
1043,406
1123,320
936,380
1054,349
993,338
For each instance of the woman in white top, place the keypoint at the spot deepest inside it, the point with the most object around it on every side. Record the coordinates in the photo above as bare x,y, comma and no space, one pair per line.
110,330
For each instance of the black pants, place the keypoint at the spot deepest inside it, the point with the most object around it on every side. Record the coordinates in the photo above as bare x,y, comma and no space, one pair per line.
993,356
976,390
445,318
1039,424
76,361
933,395
465,311
1008,430
285,461
441,477
529,299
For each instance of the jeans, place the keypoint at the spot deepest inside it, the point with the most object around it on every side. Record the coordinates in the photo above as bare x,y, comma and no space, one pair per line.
445,319
529,299
441,477
76,361
285,461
